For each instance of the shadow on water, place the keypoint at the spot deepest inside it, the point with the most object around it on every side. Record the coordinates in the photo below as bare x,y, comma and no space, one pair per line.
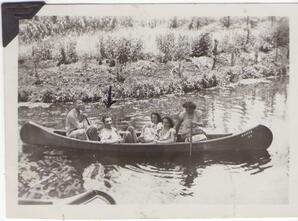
61,172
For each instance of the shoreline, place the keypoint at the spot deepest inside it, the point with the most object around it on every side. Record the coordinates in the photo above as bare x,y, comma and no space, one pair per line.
241,82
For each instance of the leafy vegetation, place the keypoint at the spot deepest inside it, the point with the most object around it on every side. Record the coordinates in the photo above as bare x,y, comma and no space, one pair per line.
64,58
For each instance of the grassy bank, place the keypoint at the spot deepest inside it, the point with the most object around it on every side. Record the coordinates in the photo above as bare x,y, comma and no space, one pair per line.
145,59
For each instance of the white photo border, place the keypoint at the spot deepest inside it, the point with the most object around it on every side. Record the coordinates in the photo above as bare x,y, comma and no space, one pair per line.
149,210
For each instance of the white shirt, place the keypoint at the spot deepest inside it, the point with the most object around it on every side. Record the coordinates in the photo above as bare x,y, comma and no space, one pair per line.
73,121
168,135
187,119
150,131
109,135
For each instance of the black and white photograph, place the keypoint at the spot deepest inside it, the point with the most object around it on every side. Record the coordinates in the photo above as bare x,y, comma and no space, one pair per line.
153,109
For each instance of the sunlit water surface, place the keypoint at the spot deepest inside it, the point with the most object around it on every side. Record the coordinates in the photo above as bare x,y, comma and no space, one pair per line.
47,173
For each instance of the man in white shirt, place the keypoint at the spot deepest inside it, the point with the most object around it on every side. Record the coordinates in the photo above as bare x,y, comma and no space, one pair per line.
191,121
109,134
77,125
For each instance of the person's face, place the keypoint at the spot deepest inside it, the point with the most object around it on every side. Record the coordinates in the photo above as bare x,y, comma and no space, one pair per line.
154,119
166,123
108,122
189,110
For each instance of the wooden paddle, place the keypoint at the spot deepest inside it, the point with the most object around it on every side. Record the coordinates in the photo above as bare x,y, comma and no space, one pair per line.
190,140
87,121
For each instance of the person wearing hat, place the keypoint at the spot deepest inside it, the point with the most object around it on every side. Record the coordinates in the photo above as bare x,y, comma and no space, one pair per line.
77,125
190,118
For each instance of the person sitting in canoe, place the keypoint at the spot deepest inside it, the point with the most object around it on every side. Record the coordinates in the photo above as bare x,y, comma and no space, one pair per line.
109,134
190,118
167,133
150,131
77,125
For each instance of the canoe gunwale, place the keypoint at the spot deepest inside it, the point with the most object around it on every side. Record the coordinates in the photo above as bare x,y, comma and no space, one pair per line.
52,131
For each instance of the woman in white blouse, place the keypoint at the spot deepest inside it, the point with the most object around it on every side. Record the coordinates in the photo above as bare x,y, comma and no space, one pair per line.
150,131
168,133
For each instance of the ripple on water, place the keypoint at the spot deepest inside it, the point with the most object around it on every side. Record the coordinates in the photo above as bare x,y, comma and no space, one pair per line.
235,178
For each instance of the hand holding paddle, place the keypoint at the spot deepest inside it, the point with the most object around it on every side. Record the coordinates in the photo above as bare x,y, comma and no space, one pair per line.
87,120
84,117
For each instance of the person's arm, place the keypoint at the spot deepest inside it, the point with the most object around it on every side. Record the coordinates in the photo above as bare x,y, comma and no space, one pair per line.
119,138
143,130
179,122
74,122
198,122
83,121
109,141
170,139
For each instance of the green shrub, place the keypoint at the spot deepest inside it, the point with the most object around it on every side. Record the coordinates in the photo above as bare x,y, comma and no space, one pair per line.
226,21
202,45
71,52
182,48
120,49
67,53
42,50
48,96
126,21
233,74
166,44
173,23
23,95
198,22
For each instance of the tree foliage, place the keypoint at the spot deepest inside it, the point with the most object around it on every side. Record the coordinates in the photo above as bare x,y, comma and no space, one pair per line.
202,45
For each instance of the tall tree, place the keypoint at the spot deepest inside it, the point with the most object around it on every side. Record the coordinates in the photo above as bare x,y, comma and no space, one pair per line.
214,53
280,36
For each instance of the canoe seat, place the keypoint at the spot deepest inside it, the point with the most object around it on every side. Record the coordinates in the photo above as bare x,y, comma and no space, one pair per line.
60,132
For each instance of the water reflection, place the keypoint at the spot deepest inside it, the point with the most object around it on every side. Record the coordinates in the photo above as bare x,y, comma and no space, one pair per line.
52,173
62,174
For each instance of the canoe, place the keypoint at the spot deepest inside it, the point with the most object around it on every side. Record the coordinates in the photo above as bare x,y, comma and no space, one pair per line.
90,197
256,138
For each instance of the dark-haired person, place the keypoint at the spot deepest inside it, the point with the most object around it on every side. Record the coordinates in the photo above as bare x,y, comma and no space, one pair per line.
109,134
77,125
168,133
150,131
188,118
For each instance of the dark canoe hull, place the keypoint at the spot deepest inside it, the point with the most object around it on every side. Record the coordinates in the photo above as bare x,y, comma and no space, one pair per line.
257,138
90,197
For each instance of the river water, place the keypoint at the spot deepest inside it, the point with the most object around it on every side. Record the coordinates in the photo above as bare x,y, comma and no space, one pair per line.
47,173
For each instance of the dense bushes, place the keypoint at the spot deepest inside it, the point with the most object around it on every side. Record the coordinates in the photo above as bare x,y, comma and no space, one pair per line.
121,49
41,27
42,50
180,55
24,95
143,79
198,22
202,45
166,44
174,44
181,46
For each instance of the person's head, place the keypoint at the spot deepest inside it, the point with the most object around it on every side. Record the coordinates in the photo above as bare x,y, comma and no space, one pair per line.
155,118
189,107
107,121
79,105
167,122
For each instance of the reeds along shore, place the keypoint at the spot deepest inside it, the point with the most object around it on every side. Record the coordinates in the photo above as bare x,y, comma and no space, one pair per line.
64,58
